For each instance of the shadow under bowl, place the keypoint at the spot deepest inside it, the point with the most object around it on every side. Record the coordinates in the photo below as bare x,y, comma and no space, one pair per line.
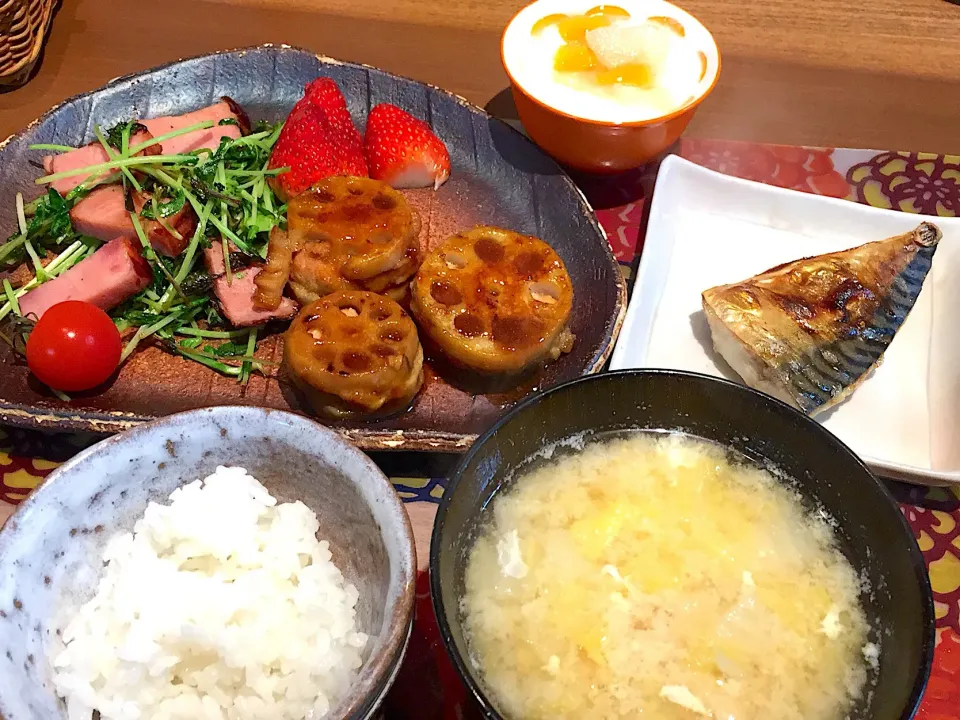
51,549
871,531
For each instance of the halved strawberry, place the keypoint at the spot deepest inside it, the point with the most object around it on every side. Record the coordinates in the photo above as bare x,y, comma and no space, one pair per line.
318,140
304,146
324,93
402,151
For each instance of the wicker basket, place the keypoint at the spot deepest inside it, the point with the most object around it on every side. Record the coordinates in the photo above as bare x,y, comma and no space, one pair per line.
23,30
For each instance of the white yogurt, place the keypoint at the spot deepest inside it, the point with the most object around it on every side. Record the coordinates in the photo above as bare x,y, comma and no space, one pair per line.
678,66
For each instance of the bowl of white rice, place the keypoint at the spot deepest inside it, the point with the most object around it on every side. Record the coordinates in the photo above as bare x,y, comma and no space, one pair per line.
229,563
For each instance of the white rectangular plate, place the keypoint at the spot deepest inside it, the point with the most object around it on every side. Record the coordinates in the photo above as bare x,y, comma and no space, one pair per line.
709,229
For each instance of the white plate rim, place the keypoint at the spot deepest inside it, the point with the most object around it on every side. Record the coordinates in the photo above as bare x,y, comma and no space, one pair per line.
651,257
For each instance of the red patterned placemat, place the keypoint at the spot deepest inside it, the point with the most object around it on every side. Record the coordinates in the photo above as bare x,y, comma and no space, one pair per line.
427,687
909,182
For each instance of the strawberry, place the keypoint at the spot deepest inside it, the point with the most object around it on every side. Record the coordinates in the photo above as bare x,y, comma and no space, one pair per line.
324,93
318,140
305,147
403,151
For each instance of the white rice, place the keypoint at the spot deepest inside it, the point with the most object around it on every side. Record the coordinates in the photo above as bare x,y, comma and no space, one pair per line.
222,605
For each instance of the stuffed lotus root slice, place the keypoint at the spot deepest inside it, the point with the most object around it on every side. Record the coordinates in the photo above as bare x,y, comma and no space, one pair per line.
384,351
369,224
489,250
445,293
545,293
454,260
383,312
382,201
368,262
517,332
394,340
529,262
312,276
325,354
355,234
354,353
391,334
313,272
494,300
355,361
469,325
320,250
398,276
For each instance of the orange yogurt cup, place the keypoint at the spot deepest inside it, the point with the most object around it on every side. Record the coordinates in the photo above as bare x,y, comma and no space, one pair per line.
610,100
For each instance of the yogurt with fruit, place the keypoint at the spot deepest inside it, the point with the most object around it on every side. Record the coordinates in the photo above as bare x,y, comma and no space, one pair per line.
630,61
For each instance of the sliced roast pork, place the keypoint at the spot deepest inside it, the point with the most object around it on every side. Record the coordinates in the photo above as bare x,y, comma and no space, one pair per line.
94,154
213,258
115,272
207,138
103,215
236,301
83,157
184,222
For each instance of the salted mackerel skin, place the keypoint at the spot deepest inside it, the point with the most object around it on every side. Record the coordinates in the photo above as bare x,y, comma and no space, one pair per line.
810,331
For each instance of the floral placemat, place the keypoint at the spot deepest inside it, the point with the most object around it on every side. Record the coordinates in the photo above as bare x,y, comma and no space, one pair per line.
427,687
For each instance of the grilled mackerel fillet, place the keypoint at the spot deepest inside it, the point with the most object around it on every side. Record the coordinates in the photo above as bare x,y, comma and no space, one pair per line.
810,331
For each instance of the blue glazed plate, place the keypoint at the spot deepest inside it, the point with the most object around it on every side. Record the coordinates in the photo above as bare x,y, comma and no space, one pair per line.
498,178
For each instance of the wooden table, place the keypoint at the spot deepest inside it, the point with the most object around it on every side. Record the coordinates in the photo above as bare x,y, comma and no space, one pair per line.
882,74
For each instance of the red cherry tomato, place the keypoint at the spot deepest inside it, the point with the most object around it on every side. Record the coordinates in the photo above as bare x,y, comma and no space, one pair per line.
74,346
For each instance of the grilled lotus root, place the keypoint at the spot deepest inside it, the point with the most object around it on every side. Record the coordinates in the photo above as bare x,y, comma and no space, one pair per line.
354,353
271,281
351,233
314,275
494,300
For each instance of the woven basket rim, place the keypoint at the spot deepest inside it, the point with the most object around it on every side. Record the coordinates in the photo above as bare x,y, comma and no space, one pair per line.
5,5
31,19
34,10
22,39
7,19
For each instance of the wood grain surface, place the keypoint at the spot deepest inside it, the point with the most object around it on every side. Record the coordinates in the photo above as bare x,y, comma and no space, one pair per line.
882,74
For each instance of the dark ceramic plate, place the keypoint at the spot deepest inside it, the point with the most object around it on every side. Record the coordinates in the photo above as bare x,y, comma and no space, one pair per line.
871,531
498,178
